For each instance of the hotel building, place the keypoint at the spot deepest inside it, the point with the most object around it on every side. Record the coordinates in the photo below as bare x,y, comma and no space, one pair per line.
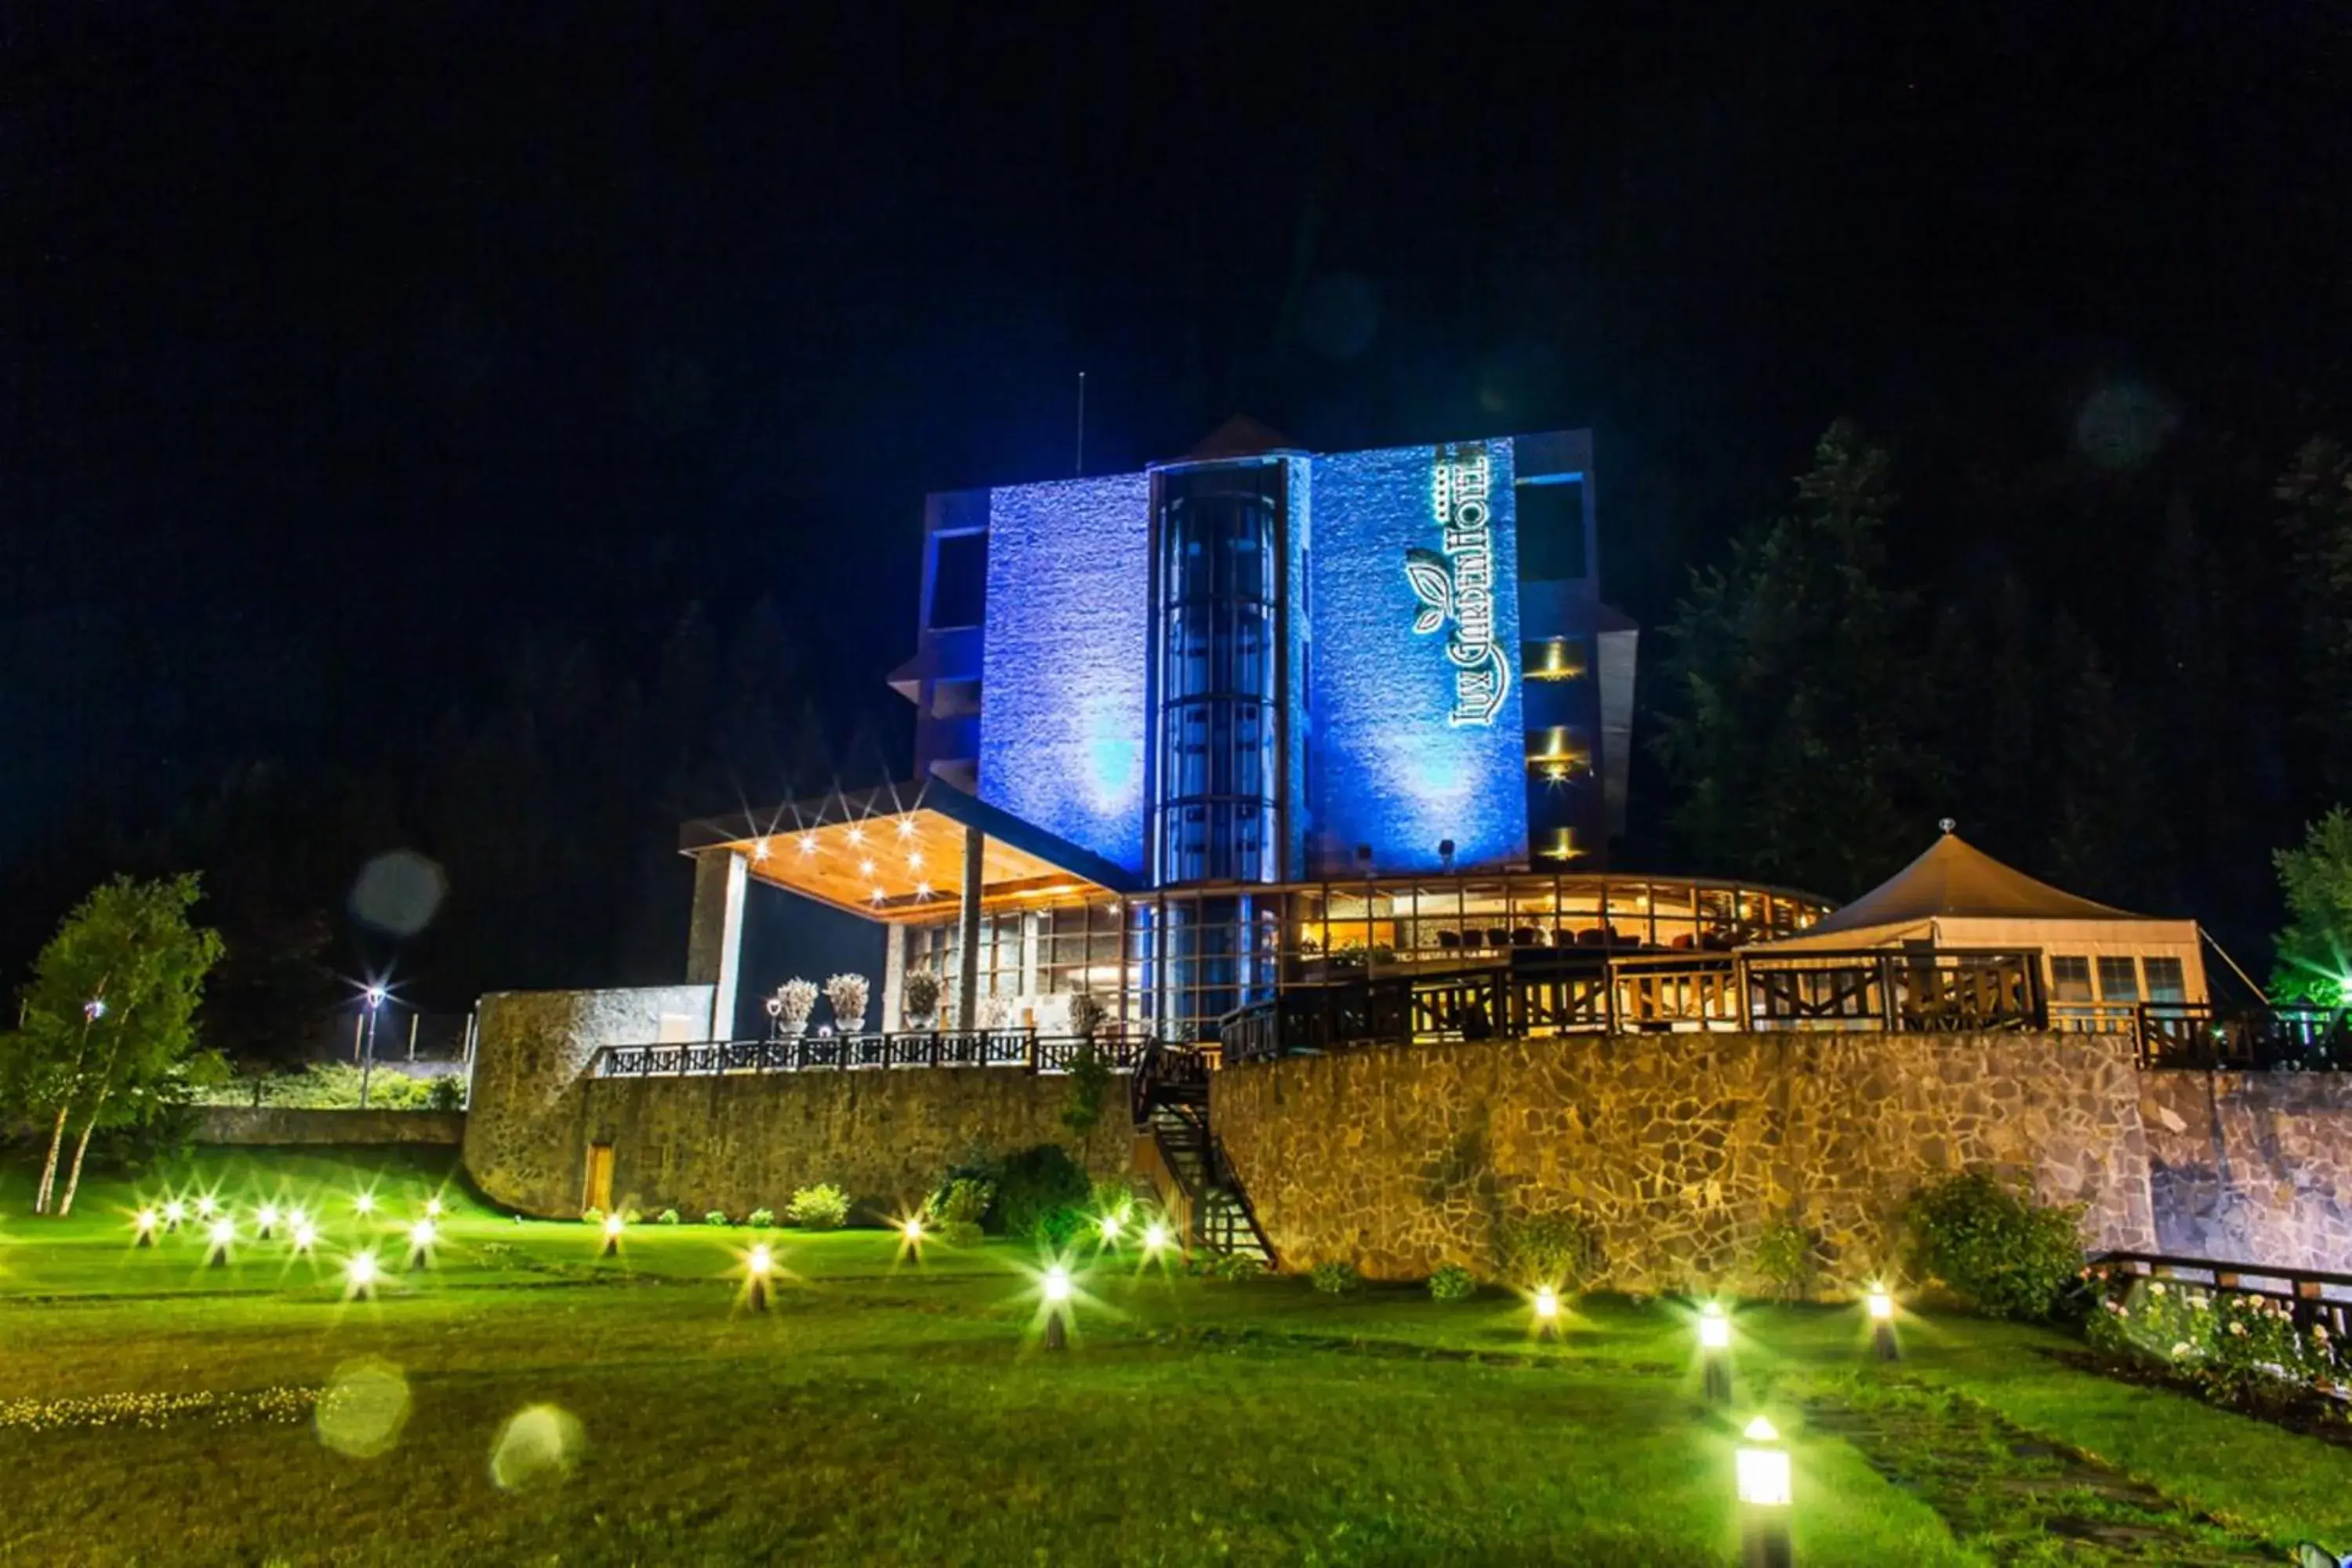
1250,718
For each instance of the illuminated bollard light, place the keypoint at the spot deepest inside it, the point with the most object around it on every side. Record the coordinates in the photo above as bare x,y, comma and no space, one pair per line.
1109,1228
1155,1239
306,1236
1763,1469
206,1207
910,1230
264,1222
175,1214
360,1274
1547,1313
222,1233
143,1226
1057,1305
614,1225
1882,1325
364,1203
759,1266
1715,1354
420,1237
433,1208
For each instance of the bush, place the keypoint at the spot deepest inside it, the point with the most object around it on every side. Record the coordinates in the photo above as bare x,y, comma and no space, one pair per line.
1041,1192
1336,1278
591,1215
821,1207
716,1217
961,1233
1786,1258
2243,1348
1993,1245
962,1200
1561,1251
1235,1267
446,1093
1452,1283
669,1217
760,1219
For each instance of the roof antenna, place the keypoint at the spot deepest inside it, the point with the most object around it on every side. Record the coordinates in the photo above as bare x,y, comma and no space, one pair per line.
1081,469
1948,824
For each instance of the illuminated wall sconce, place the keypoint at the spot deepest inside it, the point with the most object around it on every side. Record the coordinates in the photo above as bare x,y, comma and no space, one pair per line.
1554,658
1562,846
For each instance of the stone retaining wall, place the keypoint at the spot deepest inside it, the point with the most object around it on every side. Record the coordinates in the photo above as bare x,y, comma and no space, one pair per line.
735,1142
287,1125
1680,1147
2251,1167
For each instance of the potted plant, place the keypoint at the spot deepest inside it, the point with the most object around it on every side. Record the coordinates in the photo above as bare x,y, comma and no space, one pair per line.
1085,1016
847,993
791,1005
918,1000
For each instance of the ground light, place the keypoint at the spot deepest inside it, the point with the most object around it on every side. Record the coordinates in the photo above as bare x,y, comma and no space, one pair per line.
1715,1354
363,1204
222,1232
306,1236
433,1208
206,1207
420,1237
613,1226
1547,1313
759,1266
1108,1227
1763,1472
175,1214
1882,1325
1155,1239
1058,1307
910,1230
360,1274
265,1221
143,1226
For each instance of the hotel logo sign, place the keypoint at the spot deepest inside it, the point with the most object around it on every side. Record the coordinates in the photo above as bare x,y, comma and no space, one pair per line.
1457,584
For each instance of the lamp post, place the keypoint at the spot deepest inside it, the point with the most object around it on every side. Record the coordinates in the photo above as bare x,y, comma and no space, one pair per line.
367,1052
1057,1305
1882,1325
1715,1354
1763,1472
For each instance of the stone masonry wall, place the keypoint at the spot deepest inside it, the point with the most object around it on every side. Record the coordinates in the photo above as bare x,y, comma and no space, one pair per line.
289,1126
747,1141
530,1048
2251,1167
1680,1147
737,1141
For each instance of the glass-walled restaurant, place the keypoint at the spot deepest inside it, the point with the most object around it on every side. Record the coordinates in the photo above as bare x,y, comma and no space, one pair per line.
1171,963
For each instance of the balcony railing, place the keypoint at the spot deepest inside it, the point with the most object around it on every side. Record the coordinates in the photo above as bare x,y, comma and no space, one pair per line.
1018,1048
1907,991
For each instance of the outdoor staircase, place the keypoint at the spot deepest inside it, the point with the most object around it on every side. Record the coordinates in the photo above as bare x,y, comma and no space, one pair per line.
1186,1163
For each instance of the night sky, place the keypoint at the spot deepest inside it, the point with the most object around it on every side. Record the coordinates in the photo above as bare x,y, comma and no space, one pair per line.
341,341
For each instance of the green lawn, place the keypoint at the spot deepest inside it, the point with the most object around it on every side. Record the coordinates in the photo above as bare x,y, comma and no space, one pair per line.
890,1409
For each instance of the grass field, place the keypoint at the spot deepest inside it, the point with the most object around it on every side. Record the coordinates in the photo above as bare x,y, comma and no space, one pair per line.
895,1409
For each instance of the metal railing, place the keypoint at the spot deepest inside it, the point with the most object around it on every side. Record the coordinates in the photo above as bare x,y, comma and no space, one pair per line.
2314,1295
1018,1048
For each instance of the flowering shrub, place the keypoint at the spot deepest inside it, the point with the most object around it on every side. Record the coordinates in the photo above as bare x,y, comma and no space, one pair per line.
821,1207
2235,1343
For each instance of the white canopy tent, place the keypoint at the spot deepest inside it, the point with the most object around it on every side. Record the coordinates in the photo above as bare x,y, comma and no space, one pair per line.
1956,896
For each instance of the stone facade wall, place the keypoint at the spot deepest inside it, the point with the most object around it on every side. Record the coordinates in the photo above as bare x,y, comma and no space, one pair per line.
2251,1167
286,1125
1679,1147
522,1126
747,1141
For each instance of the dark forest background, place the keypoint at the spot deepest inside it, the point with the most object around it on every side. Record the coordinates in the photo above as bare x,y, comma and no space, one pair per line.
501,435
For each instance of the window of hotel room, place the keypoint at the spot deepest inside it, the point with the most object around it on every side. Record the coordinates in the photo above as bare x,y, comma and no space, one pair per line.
2168,979
959,579
1551,528
2118,979
2070,978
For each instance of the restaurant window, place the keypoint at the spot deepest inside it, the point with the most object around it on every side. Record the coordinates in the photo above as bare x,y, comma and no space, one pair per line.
2070,979
2166,980
2118,979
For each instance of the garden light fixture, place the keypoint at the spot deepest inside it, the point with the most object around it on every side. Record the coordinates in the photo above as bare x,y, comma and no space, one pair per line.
144,1224
420,1237
359,1273
1715,1354
759,1264
306,1236
265,1221
614,1225
1882,1325
222,1232
1763,1478
1057,1306
175,1213
1547,1313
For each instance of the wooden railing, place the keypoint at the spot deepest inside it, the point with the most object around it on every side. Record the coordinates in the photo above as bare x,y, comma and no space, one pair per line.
2314,1295
2200,1035
1018,1048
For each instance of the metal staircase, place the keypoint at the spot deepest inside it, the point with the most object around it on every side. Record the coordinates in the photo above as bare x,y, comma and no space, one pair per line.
1185,1163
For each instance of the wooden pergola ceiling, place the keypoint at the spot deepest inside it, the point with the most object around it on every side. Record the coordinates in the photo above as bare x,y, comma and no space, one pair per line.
906,867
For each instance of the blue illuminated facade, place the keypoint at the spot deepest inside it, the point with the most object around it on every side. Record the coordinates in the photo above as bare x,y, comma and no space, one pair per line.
1260,665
